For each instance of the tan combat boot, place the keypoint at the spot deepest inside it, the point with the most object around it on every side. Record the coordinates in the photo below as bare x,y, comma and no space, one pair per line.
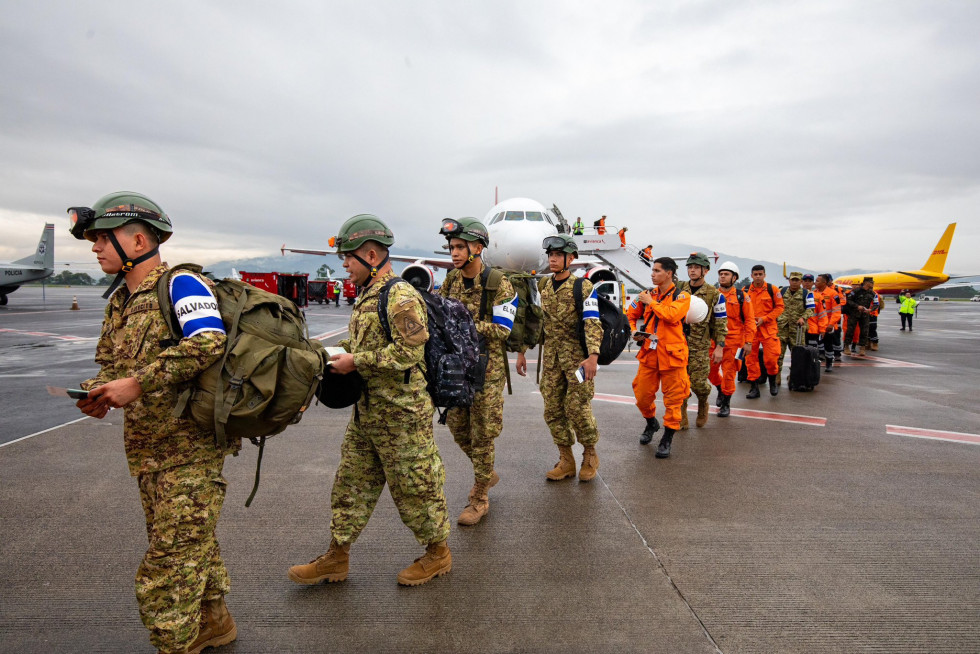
684,424
329,567
590,464
702,412
479,504
565,466
874,347
436,561
217,626
862,352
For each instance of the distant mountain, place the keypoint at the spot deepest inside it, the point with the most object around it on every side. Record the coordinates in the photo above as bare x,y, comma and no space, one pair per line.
299,263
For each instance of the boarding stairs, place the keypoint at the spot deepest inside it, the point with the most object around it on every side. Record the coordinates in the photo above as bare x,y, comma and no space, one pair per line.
625,261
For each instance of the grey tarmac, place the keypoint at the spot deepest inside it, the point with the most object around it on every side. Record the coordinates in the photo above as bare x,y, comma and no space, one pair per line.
754,536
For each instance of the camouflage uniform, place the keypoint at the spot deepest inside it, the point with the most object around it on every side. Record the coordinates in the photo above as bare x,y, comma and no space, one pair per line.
699,336
794,308
176,462
857,319
389,437
475,428
567,403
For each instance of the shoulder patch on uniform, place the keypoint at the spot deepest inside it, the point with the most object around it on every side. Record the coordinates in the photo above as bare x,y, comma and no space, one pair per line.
407,321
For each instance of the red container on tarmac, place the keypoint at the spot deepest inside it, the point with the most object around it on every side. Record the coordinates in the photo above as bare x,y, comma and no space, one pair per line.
288,285
350,291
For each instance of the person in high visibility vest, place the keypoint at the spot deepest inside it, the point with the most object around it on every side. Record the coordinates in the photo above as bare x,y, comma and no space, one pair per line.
907,310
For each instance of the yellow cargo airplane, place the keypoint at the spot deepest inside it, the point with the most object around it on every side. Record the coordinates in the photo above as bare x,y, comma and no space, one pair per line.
895,282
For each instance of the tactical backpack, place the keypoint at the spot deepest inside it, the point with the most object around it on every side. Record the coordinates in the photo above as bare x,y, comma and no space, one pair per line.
454,368
528,320
269,372
615,325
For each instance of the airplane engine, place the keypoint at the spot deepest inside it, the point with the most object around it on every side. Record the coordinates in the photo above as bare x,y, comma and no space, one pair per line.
419,276
600,274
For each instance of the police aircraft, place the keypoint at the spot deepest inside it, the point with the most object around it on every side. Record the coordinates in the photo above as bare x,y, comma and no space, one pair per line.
517,227
31,268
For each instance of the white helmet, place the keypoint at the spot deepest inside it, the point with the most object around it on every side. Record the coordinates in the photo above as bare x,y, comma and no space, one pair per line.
698,311
730,267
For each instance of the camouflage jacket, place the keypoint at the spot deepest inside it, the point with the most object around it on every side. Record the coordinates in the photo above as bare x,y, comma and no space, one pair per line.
794,308
384,363
859,297
560,323
495,333
130,346
715,327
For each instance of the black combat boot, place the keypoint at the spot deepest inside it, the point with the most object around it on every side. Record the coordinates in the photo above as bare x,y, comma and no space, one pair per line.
718,399
725,409
753,392
663,450
830,365
652,427
773,386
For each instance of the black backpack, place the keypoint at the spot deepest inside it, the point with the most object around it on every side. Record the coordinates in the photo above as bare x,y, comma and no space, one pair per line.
454,367
615,326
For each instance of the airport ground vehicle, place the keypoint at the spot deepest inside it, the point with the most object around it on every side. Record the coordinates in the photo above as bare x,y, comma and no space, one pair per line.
288,285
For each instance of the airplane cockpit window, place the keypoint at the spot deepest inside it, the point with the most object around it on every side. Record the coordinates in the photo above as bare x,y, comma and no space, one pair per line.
497,218
514,215
534,216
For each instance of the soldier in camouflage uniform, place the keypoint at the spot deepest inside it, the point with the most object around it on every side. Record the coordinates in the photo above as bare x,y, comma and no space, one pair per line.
860,303
182,581
389,437
474,428
700,335
568,402
798,307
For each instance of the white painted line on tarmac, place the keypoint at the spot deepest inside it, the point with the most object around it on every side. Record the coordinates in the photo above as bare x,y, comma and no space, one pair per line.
869,361
933,434
326,335
60,337
814,421
43,431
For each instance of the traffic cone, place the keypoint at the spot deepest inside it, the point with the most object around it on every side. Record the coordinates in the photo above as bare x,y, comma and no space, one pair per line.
74,303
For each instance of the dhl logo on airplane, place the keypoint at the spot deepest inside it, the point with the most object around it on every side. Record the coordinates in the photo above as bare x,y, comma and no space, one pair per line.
896,281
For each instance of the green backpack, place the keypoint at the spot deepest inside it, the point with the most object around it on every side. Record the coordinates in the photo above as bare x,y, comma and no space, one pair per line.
268,375
526,332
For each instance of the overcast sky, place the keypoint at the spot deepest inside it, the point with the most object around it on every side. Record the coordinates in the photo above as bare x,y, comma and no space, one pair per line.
831,134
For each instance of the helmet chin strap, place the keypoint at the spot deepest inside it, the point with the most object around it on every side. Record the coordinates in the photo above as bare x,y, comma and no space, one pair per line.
127,263
373,269
472,256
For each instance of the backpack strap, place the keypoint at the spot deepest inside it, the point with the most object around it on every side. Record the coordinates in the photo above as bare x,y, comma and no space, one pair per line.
741,302
578,293
490,280
383,315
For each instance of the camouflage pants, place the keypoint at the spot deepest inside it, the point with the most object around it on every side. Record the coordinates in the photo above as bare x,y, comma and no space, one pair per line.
407,459
698,369
568,405
182,565
475,428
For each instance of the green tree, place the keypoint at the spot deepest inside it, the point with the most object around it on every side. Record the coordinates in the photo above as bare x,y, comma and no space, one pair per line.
324,272
69,278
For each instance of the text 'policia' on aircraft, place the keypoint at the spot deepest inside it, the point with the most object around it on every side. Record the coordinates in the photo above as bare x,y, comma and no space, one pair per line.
898,281
517,228
31,268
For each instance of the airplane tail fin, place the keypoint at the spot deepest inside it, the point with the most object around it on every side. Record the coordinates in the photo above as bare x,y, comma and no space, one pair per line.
43,257
937,260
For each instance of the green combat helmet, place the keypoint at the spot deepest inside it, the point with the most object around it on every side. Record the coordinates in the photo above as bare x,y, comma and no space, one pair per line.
468,229
115,210
699,259
560,242
360,229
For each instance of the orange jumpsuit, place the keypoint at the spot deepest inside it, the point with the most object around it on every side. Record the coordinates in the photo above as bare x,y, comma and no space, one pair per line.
665,365
767,336
817,323
601,227
740,332
622,237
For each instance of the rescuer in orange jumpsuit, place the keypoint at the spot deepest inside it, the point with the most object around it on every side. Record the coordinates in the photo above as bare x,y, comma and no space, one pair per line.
600,226
741,334
647,254
662,355
768,304
831,299
622,237
817,323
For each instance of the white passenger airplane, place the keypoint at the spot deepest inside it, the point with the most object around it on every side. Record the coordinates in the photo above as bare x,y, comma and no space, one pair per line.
516,226
31,268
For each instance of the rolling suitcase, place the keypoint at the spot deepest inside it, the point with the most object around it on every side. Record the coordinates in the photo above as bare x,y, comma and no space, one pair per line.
743,372
804,372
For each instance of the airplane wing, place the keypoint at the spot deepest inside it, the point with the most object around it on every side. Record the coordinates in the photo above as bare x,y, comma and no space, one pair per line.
444,263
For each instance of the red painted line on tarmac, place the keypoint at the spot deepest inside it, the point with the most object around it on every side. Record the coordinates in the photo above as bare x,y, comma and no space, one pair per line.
326,335
741,413
933,434
49,335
